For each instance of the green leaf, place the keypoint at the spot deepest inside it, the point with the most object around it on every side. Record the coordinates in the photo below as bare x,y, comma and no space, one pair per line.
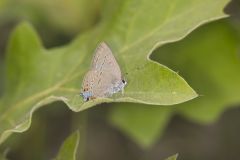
2,157
209,59
142,123
77,14
69,148
174,157
145,127
37,76
1,76
193,58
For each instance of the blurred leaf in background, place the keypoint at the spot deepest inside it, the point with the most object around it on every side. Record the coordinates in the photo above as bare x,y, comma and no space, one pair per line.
69,148
143,123
50,126
174,157
1,77
56,21
69,16
2,157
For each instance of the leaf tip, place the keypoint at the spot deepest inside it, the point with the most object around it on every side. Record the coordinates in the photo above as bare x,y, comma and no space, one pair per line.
24,36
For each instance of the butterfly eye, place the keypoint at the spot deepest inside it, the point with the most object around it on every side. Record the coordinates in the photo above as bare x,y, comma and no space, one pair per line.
123,81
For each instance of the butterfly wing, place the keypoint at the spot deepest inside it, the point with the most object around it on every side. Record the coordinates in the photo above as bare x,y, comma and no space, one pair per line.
105,76
103,84
97,84
88,81
104,60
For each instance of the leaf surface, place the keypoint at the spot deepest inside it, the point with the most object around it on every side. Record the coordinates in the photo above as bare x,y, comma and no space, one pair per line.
213,54
145,127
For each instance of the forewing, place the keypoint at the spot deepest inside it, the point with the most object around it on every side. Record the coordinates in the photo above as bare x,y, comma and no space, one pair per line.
104,60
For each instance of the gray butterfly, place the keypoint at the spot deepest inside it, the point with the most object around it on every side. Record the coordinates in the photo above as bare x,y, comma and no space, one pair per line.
105,77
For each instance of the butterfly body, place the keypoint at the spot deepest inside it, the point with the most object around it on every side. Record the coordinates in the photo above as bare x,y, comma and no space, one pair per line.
104,78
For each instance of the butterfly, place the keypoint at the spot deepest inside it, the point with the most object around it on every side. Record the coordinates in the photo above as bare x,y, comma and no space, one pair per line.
105,77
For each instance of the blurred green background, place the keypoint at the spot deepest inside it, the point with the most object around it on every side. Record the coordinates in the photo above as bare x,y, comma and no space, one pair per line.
205,128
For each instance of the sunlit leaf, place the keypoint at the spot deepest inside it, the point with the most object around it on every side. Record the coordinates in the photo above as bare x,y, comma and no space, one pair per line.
209,60
146,126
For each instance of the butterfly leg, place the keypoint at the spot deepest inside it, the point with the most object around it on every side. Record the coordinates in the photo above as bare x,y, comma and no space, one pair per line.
122,91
